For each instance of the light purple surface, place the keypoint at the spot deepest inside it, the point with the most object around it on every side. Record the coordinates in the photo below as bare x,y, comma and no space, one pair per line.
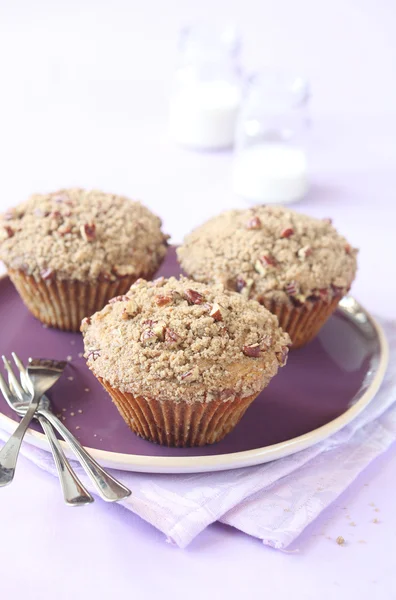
96,131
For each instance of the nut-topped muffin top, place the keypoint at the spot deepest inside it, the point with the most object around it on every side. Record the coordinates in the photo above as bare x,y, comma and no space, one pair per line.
83,235
179,340
270,253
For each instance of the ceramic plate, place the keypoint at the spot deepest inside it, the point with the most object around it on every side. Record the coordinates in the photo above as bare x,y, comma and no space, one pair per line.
321,389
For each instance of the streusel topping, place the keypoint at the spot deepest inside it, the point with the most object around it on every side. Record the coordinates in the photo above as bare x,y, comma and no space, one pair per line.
82,235
270,252
181,340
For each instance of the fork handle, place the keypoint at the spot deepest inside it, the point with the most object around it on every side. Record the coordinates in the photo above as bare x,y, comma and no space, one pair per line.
74,493
10,451
108,487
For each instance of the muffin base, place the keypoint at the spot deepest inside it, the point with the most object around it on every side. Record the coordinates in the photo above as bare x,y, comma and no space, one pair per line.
63,304
178,424
302,323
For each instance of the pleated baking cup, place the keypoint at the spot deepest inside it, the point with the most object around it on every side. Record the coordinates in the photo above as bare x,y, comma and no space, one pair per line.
303,322
178,424
63,304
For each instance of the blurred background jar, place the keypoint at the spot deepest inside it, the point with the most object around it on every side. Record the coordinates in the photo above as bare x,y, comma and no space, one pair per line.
206,94
270,163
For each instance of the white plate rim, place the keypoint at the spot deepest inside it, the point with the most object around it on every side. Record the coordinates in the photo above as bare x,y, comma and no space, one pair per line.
234,460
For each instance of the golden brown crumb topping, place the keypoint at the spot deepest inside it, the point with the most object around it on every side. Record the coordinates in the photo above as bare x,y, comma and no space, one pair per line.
181,340
270,252
84,235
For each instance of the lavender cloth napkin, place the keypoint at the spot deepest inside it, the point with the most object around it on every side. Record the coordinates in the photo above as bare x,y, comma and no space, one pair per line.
274,501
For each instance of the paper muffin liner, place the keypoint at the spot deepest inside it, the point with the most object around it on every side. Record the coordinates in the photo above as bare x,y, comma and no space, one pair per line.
178,424
63,304
303,322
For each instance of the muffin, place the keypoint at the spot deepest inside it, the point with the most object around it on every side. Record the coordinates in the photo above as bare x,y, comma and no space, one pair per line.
69,252
296,266
183,361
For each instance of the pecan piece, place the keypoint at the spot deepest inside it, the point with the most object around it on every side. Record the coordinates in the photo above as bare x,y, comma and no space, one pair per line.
94,354
259,267
148,336
268,259
191,375
252,351
159,282
282,356
240,283
253,223
130,310
47,274
286,233
84,324
159,330
163,300
217,312
9,231
88,232
194,297
171,336
304,252
292,288
348,248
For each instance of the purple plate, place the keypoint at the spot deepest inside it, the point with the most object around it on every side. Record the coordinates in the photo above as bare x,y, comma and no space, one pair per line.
323,386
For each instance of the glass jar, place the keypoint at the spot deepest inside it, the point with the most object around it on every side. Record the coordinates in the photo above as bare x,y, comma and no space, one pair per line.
270,163
206,92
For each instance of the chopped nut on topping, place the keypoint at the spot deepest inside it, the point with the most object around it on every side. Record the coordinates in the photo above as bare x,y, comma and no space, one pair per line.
304,252
217,312
88,232
131,308
282,356
47,274
159,330
348,248
122,298
191,375
259,267
9,231
148,336
253,223
252,351
286,233
171,336
240,283
84,324
267,341
94,354
246,290
194,297
292,288
105,311
159,282
327,220
163,300
64,229
268,259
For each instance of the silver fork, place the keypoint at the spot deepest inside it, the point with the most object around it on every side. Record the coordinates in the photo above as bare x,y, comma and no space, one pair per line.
10,451
74,493
107,486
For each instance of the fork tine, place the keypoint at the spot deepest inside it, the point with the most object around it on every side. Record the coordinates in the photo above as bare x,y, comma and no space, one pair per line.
12,380
5,391
22,371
